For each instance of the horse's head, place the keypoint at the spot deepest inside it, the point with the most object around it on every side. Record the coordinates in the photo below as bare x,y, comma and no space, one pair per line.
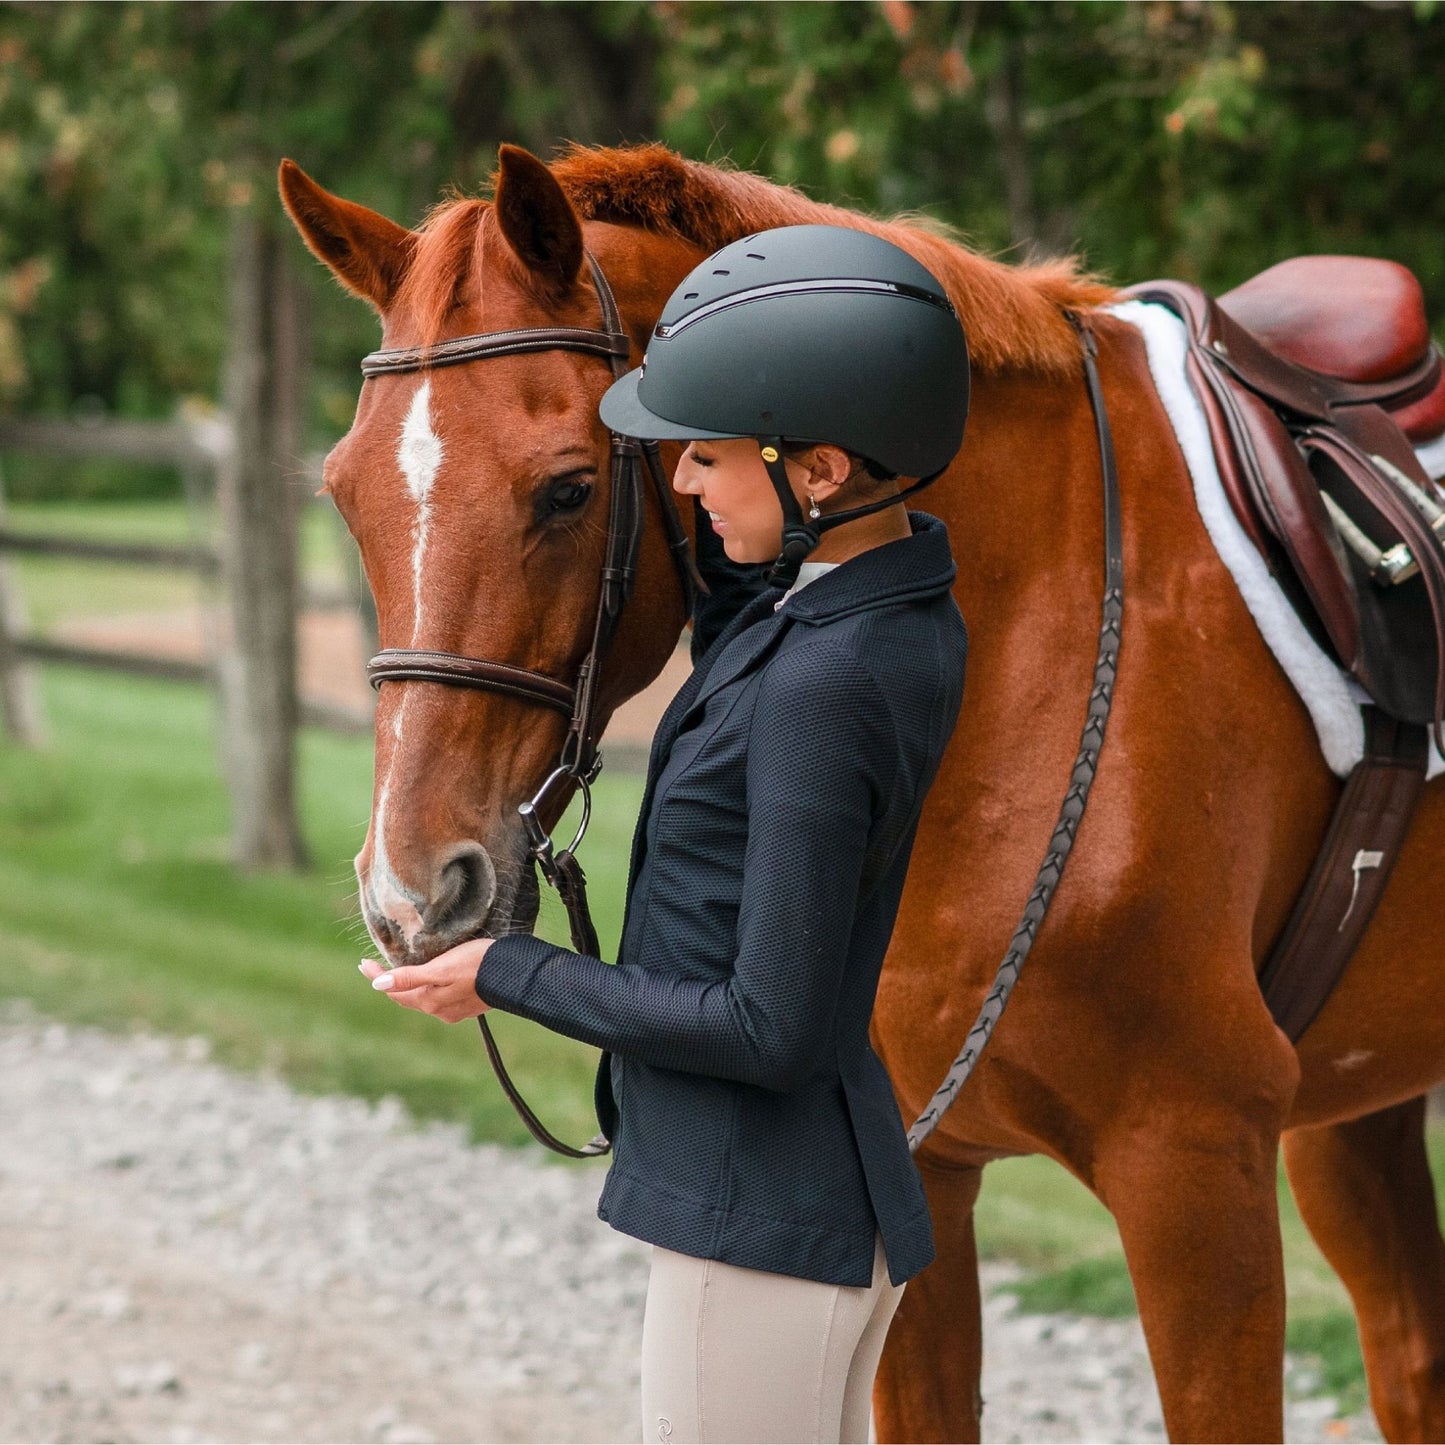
478,494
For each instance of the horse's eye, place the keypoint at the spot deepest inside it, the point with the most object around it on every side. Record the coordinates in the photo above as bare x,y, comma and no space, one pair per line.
568,496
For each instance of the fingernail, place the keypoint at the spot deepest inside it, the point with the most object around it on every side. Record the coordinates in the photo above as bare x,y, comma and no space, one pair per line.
361,967
383,982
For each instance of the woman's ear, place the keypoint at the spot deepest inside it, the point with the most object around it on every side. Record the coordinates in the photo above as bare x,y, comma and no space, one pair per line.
829,468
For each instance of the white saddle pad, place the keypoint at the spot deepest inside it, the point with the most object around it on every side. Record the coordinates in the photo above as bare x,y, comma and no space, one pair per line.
1331,695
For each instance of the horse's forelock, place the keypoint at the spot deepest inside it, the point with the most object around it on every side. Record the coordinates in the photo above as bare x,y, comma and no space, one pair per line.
445,252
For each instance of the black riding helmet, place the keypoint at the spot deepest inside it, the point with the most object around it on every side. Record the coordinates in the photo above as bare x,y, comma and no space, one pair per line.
806,334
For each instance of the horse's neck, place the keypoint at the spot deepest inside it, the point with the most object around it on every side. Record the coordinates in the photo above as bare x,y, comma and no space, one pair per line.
1024,502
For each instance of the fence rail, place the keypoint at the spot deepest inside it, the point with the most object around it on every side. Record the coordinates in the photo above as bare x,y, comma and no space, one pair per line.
137,554
197,448
174,669
201,442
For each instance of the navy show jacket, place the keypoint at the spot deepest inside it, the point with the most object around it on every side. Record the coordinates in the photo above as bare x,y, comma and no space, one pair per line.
751,1120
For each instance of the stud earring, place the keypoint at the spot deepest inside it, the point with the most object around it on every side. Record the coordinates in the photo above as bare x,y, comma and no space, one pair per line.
813,511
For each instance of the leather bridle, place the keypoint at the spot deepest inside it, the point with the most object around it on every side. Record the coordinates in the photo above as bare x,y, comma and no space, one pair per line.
580,761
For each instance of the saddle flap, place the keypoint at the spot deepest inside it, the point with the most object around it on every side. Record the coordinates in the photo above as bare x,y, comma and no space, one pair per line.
1282,434
1288,495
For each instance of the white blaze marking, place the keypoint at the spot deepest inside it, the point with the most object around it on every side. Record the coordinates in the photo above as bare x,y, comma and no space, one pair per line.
388,895
419,455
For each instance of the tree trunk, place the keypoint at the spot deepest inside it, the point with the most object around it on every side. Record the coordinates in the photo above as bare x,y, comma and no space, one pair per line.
1004,108
264,386
20,709
546,73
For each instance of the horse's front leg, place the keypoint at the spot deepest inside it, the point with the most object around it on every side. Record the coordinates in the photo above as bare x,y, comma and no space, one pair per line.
1190,1176
927,1388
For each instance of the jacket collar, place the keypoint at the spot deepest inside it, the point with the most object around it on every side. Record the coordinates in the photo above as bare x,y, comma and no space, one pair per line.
912,568
918,566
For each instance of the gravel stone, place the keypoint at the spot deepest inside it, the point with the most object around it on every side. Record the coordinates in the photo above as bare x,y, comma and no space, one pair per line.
195,1254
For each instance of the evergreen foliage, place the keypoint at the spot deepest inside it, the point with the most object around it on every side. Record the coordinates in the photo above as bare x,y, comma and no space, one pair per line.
1204,140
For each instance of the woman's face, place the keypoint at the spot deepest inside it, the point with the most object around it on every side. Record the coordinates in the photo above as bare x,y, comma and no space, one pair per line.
732,483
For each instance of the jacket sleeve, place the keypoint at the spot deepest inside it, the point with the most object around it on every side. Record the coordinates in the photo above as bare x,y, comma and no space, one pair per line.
820,762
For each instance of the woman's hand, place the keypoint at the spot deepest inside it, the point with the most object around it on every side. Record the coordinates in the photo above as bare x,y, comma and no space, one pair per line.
446,987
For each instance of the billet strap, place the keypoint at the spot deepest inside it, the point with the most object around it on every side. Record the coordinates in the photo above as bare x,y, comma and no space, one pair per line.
1365,835
1080,780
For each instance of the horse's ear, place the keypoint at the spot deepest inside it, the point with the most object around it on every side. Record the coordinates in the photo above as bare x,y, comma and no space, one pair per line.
366,252
537,219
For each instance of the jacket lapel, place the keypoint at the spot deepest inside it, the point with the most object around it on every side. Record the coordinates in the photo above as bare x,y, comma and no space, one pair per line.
721,653
740,655
739,641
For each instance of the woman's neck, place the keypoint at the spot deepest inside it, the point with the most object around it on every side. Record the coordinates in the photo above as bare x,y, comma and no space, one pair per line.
861,534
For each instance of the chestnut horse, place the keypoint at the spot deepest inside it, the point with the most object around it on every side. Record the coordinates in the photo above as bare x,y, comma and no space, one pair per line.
1137,1051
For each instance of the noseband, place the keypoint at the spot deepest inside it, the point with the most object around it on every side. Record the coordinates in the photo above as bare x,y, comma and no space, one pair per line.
580,761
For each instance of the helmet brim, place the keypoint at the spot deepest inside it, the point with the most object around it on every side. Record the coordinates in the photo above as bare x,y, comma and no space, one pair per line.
622,410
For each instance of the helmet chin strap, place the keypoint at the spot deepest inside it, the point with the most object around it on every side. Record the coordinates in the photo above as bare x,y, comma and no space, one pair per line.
800,535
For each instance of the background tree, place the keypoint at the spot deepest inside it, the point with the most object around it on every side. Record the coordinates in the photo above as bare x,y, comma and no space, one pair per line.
143,257
1204,140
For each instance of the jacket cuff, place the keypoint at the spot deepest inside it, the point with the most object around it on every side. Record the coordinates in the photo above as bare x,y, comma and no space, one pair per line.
504,976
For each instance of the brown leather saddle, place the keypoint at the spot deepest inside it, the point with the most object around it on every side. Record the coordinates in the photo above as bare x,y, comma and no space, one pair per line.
1315,377
1323,481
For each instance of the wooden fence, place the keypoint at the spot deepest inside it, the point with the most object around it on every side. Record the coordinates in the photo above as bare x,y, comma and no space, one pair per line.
238,664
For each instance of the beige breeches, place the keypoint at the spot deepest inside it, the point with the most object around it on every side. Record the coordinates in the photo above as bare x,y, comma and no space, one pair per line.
745,1355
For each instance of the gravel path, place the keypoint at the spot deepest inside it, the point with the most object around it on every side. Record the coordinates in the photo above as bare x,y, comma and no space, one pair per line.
194,1254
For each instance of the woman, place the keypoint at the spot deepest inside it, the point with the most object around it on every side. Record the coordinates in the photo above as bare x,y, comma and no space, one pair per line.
758,1145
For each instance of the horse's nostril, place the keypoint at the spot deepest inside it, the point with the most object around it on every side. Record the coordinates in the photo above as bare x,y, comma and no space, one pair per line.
467,888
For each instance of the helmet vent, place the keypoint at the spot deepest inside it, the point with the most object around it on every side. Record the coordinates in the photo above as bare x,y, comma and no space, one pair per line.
721,272
689,296
753,256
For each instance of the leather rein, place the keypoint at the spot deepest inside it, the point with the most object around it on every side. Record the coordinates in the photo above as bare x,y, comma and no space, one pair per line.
580,761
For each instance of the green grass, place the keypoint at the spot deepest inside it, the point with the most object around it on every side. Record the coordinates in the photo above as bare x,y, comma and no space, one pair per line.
117,903
1097,1286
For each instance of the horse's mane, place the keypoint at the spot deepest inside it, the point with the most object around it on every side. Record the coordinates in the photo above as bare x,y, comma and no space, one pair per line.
1013,315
